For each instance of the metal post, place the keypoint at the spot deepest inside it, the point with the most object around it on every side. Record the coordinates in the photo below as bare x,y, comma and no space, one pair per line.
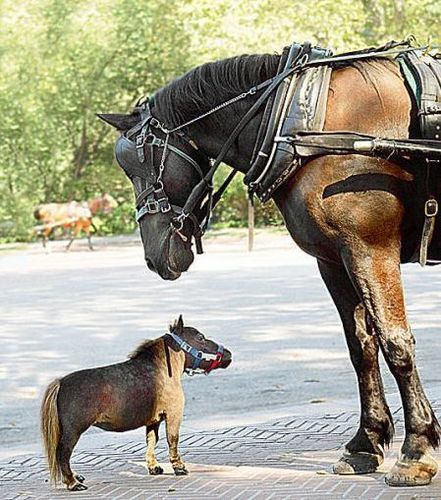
250,225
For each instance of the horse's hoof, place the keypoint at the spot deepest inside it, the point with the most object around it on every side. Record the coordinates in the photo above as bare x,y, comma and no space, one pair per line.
77,487
80,478
412,472
156,470
357,463
181,471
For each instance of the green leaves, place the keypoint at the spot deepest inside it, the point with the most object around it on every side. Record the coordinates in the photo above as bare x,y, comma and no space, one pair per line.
62,62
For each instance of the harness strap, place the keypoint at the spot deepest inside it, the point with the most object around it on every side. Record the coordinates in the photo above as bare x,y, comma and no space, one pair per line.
199,189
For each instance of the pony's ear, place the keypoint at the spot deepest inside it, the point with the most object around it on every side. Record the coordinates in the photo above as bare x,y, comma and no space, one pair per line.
180,324
120,122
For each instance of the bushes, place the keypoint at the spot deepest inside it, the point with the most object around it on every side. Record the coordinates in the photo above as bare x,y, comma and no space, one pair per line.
232,210
120,221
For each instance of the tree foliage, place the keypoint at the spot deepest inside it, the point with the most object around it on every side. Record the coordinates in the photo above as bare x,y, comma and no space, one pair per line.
63,61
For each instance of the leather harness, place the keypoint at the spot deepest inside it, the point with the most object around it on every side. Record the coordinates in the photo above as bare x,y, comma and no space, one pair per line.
291,133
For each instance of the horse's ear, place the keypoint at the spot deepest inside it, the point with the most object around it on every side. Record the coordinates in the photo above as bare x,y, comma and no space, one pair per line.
120,122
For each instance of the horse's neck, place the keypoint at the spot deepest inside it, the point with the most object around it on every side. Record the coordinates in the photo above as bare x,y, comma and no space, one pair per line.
210,138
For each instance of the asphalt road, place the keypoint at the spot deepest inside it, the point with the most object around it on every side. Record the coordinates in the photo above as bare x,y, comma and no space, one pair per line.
60,312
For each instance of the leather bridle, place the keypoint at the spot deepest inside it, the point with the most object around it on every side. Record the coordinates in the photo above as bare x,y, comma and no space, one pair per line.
153,199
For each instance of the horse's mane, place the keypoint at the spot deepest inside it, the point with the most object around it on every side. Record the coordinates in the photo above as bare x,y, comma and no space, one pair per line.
206,86
210,84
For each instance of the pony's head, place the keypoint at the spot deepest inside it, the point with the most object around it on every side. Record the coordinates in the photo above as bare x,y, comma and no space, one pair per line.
164,169
201,353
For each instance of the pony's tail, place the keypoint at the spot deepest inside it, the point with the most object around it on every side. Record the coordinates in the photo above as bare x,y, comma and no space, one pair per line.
50,429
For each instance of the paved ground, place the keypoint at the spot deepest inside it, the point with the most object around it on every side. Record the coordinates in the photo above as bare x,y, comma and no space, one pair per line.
280,459
60,312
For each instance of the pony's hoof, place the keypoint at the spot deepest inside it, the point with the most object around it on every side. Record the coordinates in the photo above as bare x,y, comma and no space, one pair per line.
357,463
80,478
412,472
156,470
181,471
77,487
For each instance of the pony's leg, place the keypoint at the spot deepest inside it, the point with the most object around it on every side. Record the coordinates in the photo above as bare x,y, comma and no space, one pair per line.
152,438
376,273
364,452
73,482
173,423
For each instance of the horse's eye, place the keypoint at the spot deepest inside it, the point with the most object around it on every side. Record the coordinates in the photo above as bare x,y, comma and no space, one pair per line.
201,337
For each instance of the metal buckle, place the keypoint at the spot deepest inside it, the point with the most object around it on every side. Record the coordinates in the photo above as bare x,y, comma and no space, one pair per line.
152,206
431,208
186,347
164,205
140,140
149,138
154,122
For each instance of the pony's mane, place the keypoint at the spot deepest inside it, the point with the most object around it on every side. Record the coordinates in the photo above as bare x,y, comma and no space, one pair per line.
145,347
206,86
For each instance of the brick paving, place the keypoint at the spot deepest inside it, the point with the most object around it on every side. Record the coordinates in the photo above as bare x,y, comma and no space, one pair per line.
280,459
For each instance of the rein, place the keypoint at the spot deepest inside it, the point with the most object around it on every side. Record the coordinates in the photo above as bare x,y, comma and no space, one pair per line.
198,356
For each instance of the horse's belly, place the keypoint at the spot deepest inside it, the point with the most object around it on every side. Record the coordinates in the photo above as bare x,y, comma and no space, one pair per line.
335,202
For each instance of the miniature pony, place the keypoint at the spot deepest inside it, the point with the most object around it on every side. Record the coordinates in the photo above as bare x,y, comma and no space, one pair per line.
142,391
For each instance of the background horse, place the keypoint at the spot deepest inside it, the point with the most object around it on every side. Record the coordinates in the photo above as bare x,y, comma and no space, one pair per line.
75,216
357,215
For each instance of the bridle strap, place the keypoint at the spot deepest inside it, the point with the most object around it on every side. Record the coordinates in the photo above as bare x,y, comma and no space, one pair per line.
200,188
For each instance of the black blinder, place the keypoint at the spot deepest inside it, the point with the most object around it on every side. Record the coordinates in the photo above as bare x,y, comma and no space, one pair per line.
127,158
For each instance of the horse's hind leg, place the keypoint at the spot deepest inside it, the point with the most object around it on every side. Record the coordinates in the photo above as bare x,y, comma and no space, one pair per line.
376,273
87,231
69,439
152,438
70,242
364,452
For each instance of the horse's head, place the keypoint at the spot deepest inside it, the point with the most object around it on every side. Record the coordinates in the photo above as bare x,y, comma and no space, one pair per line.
201,354
163,168
104,204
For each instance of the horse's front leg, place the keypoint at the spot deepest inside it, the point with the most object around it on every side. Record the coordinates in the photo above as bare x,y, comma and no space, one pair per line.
376,273
364,452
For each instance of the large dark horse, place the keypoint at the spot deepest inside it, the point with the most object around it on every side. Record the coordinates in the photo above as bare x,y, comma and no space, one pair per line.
357,215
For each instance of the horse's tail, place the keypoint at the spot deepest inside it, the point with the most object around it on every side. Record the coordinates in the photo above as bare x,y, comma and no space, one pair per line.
50,429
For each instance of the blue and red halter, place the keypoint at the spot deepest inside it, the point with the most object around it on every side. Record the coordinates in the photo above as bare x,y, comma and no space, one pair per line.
199,356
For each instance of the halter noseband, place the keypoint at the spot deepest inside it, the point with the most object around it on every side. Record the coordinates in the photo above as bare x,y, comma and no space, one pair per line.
199,356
